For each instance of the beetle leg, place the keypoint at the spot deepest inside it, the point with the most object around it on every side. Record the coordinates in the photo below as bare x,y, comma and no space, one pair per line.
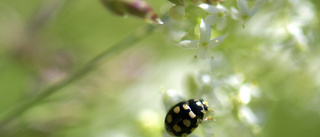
211,110
209,118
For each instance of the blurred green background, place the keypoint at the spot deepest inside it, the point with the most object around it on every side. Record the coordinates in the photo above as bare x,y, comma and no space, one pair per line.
264,79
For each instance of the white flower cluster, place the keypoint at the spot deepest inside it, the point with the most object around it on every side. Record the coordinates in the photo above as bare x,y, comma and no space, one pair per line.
204,44
244,13
217,16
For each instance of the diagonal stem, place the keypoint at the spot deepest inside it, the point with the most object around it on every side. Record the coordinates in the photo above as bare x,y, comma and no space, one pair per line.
130,40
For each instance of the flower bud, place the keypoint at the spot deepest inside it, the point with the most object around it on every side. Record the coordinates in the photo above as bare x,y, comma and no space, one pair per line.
138,8
177,12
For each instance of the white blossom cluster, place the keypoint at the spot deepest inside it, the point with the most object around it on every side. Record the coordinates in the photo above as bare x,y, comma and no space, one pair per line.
230,91
216,16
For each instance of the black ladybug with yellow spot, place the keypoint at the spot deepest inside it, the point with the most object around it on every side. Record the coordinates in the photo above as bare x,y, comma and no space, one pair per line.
185,117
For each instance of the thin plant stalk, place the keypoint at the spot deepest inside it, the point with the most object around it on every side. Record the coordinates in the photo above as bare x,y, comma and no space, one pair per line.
130,40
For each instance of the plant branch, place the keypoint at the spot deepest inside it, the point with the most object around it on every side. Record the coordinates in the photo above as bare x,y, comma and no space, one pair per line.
92,64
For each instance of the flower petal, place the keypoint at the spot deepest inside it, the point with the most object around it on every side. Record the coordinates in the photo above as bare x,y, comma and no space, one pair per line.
177,35
212,19
221,24
257,6
204,53
209,8
222,8
189,44
243,7
235,14
205,32
216,41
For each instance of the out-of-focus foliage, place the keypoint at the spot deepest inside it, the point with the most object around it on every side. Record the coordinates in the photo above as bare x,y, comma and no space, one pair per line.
263,80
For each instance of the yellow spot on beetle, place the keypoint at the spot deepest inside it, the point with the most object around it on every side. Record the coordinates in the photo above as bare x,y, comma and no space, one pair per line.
199,104
176,109
203,111
184,134
186,122
192,115
176,128
185,107
169,119
198,122
192,129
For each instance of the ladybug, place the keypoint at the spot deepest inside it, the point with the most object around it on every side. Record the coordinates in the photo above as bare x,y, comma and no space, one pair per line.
184,117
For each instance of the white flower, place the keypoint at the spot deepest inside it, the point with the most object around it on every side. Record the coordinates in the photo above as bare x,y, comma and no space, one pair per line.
244,12
204,44
217,15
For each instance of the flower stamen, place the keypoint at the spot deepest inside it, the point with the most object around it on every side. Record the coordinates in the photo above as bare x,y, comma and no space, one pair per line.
245,17
220,14
204,44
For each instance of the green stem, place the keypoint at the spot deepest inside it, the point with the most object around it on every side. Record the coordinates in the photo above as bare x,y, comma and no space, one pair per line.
92,64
